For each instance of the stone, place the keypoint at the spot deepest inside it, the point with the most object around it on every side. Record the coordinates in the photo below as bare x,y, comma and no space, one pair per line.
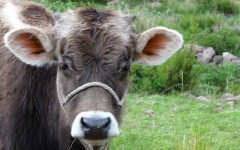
150,112
230,99
230,58
197,48
217,59
155,5
191,96
238,29
198,55
231,104
114,3
219,107
237,98
226,95
203,99
206,55
215,29
236,61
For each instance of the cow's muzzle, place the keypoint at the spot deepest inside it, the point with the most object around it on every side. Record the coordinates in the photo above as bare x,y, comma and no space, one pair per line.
95,126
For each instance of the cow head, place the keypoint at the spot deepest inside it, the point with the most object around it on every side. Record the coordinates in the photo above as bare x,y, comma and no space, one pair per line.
94,51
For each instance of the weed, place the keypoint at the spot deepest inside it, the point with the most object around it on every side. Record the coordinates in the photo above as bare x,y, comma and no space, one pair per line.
178,73
216,80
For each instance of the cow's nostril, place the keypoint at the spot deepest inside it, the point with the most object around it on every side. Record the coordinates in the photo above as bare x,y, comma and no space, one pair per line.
99,123
95,127
84,123
105,123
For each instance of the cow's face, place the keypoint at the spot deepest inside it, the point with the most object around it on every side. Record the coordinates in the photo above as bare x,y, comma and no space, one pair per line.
92,46
96,47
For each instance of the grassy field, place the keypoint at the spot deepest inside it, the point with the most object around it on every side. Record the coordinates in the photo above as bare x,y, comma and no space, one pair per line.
161,122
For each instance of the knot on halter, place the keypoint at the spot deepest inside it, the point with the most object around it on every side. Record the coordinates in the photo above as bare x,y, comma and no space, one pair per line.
94,84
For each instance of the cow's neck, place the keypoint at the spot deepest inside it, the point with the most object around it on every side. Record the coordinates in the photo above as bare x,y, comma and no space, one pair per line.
36,121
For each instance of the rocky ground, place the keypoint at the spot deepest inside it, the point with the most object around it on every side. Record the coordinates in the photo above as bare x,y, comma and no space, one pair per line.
228,98
208,55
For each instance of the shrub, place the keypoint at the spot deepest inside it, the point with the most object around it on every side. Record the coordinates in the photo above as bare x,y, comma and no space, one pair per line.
219,79
183,73
176,74
227,7
222,41
202,21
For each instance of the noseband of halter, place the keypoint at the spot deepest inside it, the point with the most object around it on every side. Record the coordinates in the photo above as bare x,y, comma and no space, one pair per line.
94,84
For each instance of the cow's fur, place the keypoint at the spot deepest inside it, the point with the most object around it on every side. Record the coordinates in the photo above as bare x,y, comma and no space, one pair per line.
99,45
30,113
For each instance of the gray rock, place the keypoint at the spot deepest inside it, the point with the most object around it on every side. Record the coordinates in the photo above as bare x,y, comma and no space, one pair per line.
150,112
206,55
154,5
191,96
226,95
215,29
230,58
231,104
236,61
114,3
198,55
203,99
238,29
230,99
219,107
237,98
217,59
197,48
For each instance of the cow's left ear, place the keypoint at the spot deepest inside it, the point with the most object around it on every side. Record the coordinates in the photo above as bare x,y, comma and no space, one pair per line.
31,45
156,45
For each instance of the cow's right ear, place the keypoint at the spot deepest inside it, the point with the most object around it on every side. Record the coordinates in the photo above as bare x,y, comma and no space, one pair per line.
31,45
156,45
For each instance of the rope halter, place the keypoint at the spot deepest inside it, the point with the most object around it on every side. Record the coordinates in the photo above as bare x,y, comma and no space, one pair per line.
94,84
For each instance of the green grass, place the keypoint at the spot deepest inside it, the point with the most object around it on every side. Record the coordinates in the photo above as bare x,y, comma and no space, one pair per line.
178,123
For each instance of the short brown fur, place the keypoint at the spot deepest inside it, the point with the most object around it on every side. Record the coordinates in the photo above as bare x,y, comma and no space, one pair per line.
28,100
97,49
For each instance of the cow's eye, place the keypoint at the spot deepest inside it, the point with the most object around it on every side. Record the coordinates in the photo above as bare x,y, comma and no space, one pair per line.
125,69
63,67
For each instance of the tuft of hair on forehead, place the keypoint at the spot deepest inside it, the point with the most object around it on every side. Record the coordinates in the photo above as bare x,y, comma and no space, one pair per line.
91,15
104,19
79,21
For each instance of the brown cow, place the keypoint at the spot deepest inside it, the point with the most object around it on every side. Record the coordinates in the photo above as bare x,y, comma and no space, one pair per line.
67,79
